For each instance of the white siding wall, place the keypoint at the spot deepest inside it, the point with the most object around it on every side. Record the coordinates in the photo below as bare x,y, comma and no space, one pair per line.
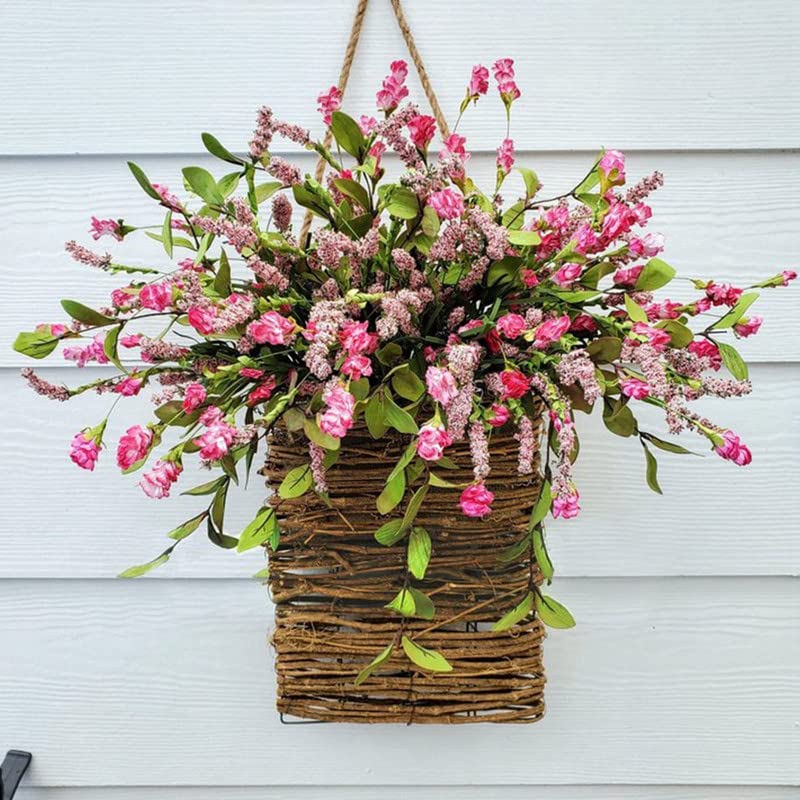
681,679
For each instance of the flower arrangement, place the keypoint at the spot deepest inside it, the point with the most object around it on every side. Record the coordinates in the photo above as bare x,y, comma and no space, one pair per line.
422,307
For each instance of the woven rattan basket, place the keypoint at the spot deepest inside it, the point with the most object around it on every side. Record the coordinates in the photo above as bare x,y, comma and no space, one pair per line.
330,580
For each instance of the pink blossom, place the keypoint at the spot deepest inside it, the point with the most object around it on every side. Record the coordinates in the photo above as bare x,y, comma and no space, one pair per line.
273,328
356,367
476,500
376,151
250,372
583,323
105,227
56,329
367,124
499,416
567,274
447,203
262,392
515,384
338,416
211,416
159,480
441,385
511,325
656,337
328,102
734,450
529,278
85,450
421,129
356,339
747,326
612,165
641,213
215,441
431,442
666,310
557,217
788,275
585,240
618,220
723,294
167,198
478,82
505,156
393,89
156,296
130,386
702,348
551,330
503,70
133,446
635,388
131,340
648,246
627,276
202,319
455,145
193,397
567,506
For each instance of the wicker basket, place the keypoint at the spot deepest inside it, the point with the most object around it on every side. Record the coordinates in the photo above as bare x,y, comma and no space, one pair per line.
330,580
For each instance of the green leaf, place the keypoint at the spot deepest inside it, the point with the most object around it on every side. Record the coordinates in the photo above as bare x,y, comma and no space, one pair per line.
187,528
542,506
348,135
375,417
635,311
206,488
532,182
652,470
541,555
407,384
316,435
518,613
172,413
669,447
390,532
604,350
503,271
143,569
414,505
552,613
524,238
389,353
84,314
655,274
428,660
399,419
222,280
110,347
733,362
382,657
265,190
737,312
403,203
296,483
202,183
419,552
514,217
143,181
392,493
411,602
214,147
35,344
264,528
354,190
441,483
618,418
679,334
166,233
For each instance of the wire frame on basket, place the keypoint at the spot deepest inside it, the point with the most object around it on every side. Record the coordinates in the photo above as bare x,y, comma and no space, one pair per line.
330,580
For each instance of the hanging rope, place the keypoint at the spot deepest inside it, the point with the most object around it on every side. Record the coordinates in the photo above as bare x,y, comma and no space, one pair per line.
344,75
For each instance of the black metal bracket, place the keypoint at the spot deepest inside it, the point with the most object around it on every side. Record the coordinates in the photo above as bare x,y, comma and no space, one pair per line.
12,769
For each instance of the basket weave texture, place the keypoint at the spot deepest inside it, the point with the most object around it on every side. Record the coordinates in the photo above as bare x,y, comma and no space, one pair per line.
330,580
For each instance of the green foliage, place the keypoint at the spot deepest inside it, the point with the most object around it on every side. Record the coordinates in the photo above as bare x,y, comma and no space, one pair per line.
429,660
517,614
552,613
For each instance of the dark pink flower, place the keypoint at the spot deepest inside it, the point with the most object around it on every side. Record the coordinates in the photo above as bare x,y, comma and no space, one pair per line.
788,275
733,450
272,328
215,441
393,89
421,130
356,339
328,102
105,227
702,348
447,203
747,326
511,325
476,501
499,416
723,294
85,450
515,384
130,386
635,388
583,323
250,372
167,198
193,397
131,340
156,296
505,156
478,82
567,274
202,319
262,392
656,337
133,446
356,367
551,330
627,276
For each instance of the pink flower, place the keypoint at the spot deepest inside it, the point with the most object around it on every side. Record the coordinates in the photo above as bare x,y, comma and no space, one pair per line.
441,385
618,220
328,102
159,480
529,278
431,442
211,416
447,203
202,319
635,388
478,82
273,328
85,450
612,165
167,198
515,384
583,323
511,325
215,441
505,156
367,124
476,501
747,326
421,129
788,275
567,275
723,294
649,246
356,339
627,276
56,330
193,397
105,227
734,450
133,446
250,372
356,367
566,507
503,70
262,392
156,296
338,416
585,239
130,386
131,340
641,213
376,151
551,330
666,310
455,145
557,217
392,89
500,415
702,348
642,332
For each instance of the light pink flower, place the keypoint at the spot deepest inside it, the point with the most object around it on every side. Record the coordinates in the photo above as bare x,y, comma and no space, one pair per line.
328,102
505,156
167,198
478,82
747,326
367,124
441,385
338,416
551,330
734,450
618,220
476,501
84,450
211,416
612,165
272,328
500,415
193,397
515,384
447,203
159,480
788,275
393,89
431,442
156,296
650,245
130,386
105,227
641,331
567,274
215,441
133,446
635,388
511,325
702,348
202,319
131,340
356,367
627,276
421,129
356,339
567,506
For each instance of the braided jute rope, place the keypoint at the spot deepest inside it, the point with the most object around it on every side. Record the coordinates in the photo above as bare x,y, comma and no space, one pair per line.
344,76
330,581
